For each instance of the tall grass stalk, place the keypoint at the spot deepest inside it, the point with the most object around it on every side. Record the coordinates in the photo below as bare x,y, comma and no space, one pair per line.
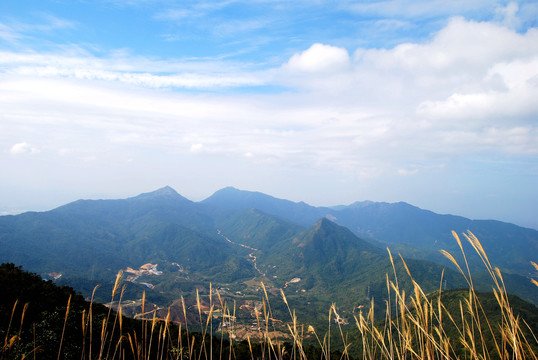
63,329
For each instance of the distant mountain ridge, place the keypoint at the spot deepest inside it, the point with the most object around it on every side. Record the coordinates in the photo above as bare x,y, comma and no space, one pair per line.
424,231
232,198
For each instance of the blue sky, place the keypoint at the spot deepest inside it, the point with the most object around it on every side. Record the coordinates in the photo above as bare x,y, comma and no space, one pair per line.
327,102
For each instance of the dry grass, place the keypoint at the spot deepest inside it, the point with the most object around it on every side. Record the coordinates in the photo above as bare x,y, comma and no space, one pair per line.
418,331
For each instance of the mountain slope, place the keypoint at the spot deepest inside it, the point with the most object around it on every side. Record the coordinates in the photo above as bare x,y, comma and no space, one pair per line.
335,264
509,246
256,229
333,250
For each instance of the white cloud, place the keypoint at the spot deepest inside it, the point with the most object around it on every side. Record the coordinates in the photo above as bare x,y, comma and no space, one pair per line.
469,79
469,89
461,47
320,58
22,148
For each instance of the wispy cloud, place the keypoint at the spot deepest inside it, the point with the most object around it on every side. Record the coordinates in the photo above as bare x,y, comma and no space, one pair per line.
135,71
11,28
8,33
414,9
175,14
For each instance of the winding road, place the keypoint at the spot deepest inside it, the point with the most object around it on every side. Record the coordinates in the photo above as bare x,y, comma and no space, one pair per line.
251,255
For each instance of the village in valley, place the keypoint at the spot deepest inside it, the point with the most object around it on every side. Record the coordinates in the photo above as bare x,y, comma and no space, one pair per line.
247,319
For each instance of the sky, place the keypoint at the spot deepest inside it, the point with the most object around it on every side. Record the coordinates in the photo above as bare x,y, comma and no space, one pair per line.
430,102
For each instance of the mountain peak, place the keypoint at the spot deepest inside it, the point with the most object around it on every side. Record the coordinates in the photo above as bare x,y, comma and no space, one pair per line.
327,242
229,189
325,230
163,193
166,191
324,224
230,197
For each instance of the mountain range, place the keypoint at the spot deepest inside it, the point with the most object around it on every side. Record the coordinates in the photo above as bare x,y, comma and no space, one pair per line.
236,239
421,232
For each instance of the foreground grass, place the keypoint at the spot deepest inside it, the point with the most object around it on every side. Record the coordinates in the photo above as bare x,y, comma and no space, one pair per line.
417,326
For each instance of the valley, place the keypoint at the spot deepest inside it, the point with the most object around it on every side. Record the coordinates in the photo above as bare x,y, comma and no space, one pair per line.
218,301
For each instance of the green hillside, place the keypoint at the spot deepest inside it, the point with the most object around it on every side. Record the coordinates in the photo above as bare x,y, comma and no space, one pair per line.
256,229
33,313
